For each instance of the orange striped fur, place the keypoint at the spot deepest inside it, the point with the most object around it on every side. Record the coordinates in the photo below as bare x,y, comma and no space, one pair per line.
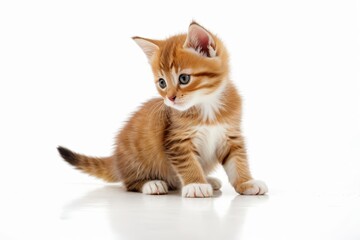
175,141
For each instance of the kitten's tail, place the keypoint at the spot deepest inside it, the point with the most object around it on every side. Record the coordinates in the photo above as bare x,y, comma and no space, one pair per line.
98,167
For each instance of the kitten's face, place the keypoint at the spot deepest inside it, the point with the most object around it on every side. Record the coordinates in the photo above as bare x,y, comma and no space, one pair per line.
190,69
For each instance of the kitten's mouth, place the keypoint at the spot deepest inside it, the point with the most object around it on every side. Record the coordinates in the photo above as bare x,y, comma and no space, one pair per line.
178,105
176,102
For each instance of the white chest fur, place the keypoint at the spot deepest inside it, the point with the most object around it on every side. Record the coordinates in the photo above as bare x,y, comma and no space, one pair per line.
207,140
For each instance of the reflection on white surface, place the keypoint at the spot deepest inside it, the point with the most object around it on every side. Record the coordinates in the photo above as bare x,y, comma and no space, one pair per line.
135,216
93,211
227,216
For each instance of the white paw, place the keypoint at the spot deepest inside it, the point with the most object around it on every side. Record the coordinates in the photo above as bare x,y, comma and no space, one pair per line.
197,190
155,187
252,187
214,182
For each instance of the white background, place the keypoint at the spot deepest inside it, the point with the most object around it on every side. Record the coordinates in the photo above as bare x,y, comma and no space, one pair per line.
71,75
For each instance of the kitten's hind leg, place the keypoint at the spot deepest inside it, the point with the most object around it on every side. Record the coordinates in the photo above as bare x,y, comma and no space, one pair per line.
155,187
214,182
150,187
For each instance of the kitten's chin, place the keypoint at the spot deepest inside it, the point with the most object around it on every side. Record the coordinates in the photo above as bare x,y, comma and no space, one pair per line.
177,106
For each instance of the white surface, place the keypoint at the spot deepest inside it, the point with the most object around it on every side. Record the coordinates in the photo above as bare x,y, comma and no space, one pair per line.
94,211
71,75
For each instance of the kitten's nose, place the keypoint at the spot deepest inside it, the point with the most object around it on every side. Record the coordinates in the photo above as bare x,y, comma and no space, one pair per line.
172,98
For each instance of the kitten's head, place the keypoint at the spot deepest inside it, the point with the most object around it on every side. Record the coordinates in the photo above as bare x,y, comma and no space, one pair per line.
189,69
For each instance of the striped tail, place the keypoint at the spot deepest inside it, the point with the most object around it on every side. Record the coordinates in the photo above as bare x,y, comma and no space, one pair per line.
99,167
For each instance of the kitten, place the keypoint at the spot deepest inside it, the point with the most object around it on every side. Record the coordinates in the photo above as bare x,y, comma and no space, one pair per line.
175,141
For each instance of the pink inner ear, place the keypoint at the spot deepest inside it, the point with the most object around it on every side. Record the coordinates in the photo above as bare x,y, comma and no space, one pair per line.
203,40
199,40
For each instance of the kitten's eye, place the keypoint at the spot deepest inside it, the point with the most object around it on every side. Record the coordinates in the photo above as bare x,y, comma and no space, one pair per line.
184,79
162,83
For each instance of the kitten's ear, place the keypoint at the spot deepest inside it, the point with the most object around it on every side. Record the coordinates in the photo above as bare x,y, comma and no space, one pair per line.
149,46
200,40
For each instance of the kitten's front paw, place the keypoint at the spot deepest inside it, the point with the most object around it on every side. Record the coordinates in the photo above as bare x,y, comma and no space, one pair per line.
252,187
155,187
197,190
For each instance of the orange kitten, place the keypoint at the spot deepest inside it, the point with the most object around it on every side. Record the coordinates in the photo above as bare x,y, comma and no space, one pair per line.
175,141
